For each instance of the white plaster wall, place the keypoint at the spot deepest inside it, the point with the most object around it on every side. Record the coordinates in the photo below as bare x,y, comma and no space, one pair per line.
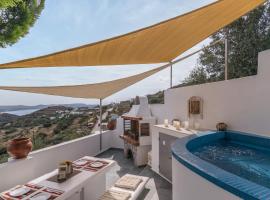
47,159
116,141
189,186
241,103
106,140
158,111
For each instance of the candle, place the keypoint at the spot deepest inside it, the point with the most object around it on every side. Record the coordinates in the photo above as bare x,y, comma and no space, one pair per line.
166,123
177,125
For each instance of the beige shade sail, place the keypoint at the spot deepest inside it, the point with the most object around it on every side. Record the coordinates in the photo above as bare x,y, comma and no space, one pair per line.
159,43
98,90
95,91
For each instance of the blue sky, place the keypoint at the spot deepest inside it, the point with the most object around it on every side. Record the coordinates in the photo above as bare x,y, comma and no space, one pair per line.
67,23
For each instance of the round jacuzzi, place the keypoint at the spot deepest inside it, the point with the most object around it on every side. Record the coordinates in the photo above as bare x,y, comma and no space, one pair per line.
221,165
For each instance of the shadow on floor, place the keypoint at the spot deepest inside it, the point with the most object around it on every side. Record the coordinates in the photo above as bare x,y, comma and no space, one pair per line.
157,188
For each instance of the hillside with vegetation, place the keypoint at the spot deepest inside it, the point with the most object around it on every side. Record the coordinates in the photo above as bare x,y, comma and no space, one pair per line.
47,127
157,98
56,124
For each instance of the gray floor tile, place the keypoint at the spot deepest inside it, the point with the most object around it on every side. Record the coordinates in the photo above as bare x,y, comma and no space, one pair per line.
156,189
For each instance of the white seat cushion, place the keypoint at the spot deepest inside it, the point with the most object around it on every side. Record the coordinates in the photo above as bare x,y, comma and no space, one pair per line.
115,195
128,182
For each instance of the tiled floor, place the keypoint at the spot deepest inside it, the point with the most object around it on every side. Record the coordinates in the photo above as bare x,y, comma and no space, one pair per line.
157,188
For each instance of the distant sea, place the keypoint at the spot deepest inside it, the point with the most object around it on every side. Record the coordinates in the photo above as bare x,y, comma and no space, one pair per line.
22,112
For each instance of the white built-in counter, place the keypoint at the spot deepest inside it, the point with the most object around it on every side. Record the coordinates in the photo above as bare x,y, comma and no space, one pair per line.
87,183
161,130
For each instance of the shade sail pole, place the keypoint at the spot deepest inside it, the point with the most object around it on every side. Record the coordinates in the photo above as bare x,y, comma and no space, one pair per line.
100,121
171,71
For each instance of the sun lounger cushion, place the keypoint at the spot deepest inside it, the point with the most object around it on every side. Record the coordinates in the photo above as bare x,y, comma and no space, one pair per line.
128,182
115,195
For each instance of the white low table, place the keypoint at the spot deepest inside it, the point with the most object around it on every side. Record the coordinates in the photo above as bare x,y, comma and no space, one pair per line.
85,185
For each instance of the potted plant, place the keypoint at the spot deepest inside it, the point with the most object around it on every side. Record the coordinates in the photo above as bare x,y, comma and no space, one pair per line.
221,126
112,124
19,148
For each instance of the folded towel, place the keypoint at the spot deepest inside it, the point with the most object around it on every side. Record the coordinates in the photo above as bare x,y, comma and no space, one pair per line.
128,182
115,195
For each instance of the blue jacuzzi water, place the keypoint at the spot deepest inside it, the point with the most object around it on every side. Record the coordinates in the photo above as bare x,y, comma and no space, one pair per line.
249,162
237,162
